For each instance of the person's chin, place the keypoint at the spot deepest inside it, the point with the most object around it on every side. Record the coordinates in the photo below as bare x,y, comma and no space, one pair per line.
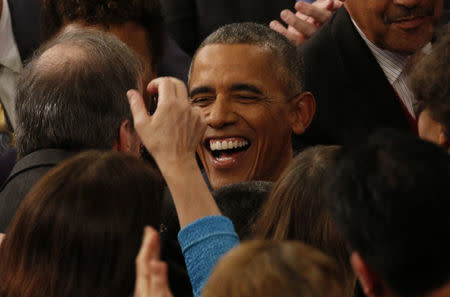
411,36
219,179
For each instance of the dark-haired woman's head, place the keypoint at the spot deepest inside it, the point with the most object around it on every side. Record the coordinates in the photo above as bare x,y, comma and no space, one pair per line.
78,231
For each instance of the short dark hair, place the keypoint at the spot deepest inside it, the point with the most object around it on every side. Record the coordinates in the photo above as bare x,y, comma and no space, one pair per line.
78,231
77,99
146,13
430,79
241,203
390,199
290,66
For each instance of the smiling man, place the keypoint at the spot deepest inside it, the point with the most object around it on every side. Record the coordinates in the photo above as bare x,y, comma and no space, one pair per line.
247,80
357,67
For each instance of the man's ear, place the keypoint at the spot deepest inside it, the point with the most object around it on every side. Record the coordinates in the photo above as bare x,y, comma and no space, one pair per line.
302,112
372,285
128,141
443,141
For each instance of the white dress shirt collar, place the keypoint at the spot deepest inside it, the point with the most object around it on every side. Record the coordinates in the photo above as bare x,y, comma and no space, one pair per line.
9,54
391,63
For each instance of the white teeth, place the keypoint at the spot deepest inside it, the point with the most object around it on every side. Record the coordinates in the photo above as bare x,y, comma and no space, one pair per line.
217,145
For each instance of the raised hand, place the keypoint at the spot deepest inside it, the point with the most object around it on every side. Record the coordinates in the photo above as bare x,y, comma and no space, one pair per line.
307,19
172,135
151,272
175,129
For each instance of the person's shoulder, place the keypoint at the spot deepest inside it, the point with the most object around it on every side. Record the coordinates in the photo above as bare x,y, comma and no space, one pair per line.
324,43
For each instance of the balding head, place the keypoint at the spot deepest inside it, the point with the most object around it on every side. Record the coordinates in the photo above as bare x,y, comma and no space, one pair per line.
72,94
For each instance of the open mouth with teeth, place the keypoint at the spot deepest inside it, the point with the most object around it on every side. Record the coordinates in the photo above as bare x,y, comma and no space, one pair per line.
227,147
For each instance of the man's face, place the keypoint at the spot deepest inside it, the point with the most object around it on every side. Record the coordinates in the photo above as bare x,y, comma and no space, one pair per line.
398,25
246,111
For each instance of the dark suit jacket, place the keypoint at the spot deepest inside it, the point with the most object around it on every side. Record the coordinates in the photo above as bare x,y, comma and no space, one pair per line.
353,95
25,17
190,21
23,177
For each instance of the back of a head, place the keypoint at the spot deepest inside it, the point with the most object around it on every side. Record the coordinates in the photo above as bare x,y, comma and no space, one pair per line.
389,198
241,203
273,269
288,63
79,229
72,95
296,210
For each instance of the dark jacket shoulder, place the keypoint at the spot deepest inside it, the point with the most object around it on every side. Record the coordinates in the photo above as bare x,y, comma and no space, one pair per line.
24,175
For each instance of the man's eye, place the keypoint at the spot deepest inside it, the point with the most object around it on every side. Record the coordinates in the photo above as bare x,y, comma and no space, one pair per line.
246,97
201,100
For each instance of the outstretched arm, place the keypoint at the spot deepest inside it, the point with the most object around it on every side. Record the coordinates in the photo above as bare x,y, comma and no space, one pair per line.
171,135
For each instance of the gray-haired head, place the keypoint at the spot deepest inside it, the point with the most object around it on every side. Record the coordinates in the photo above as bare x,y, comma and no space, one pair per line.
72,94
290,66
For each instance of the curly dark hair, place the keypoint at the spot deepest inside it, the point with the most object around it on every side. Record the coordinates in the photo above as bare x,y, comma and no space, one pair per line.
146,13
430,78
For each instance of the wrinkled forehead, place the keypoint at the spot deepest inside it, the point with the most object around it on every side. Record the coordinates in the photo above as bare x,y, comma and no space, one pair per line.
234,62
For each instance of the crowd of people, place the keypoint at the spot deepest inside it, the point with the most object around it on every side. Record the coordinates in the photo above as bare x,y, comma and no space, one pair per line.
224,148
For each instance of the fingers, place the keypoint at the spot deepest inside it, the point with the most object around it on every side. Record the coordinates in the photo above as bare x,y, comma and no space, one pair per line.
149,251
277,26
337,4
138,109
319,14
159,285
2,236
169,89
303,27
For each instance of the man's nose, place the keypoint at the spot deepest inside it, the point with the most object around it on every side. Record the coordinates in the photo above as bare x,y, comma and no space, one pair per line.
220,113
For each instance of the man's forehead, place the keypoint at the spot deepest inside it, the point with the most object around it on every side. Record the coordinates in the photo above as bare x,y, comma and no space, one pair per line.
240,59
235,67
239,53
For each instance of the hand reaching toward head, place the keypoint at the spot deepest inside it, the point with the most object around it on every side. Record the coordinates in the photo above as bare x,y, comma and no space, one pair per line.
172,135
307,19
151,272
173,132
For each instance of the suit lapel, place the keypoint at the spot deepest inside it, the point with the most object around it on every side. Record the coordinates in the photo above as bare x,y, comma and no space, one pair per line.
365,77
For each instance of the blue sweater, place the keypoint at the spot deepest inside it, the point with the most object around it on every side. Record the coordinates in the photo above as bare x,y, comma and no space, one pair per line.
203,243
